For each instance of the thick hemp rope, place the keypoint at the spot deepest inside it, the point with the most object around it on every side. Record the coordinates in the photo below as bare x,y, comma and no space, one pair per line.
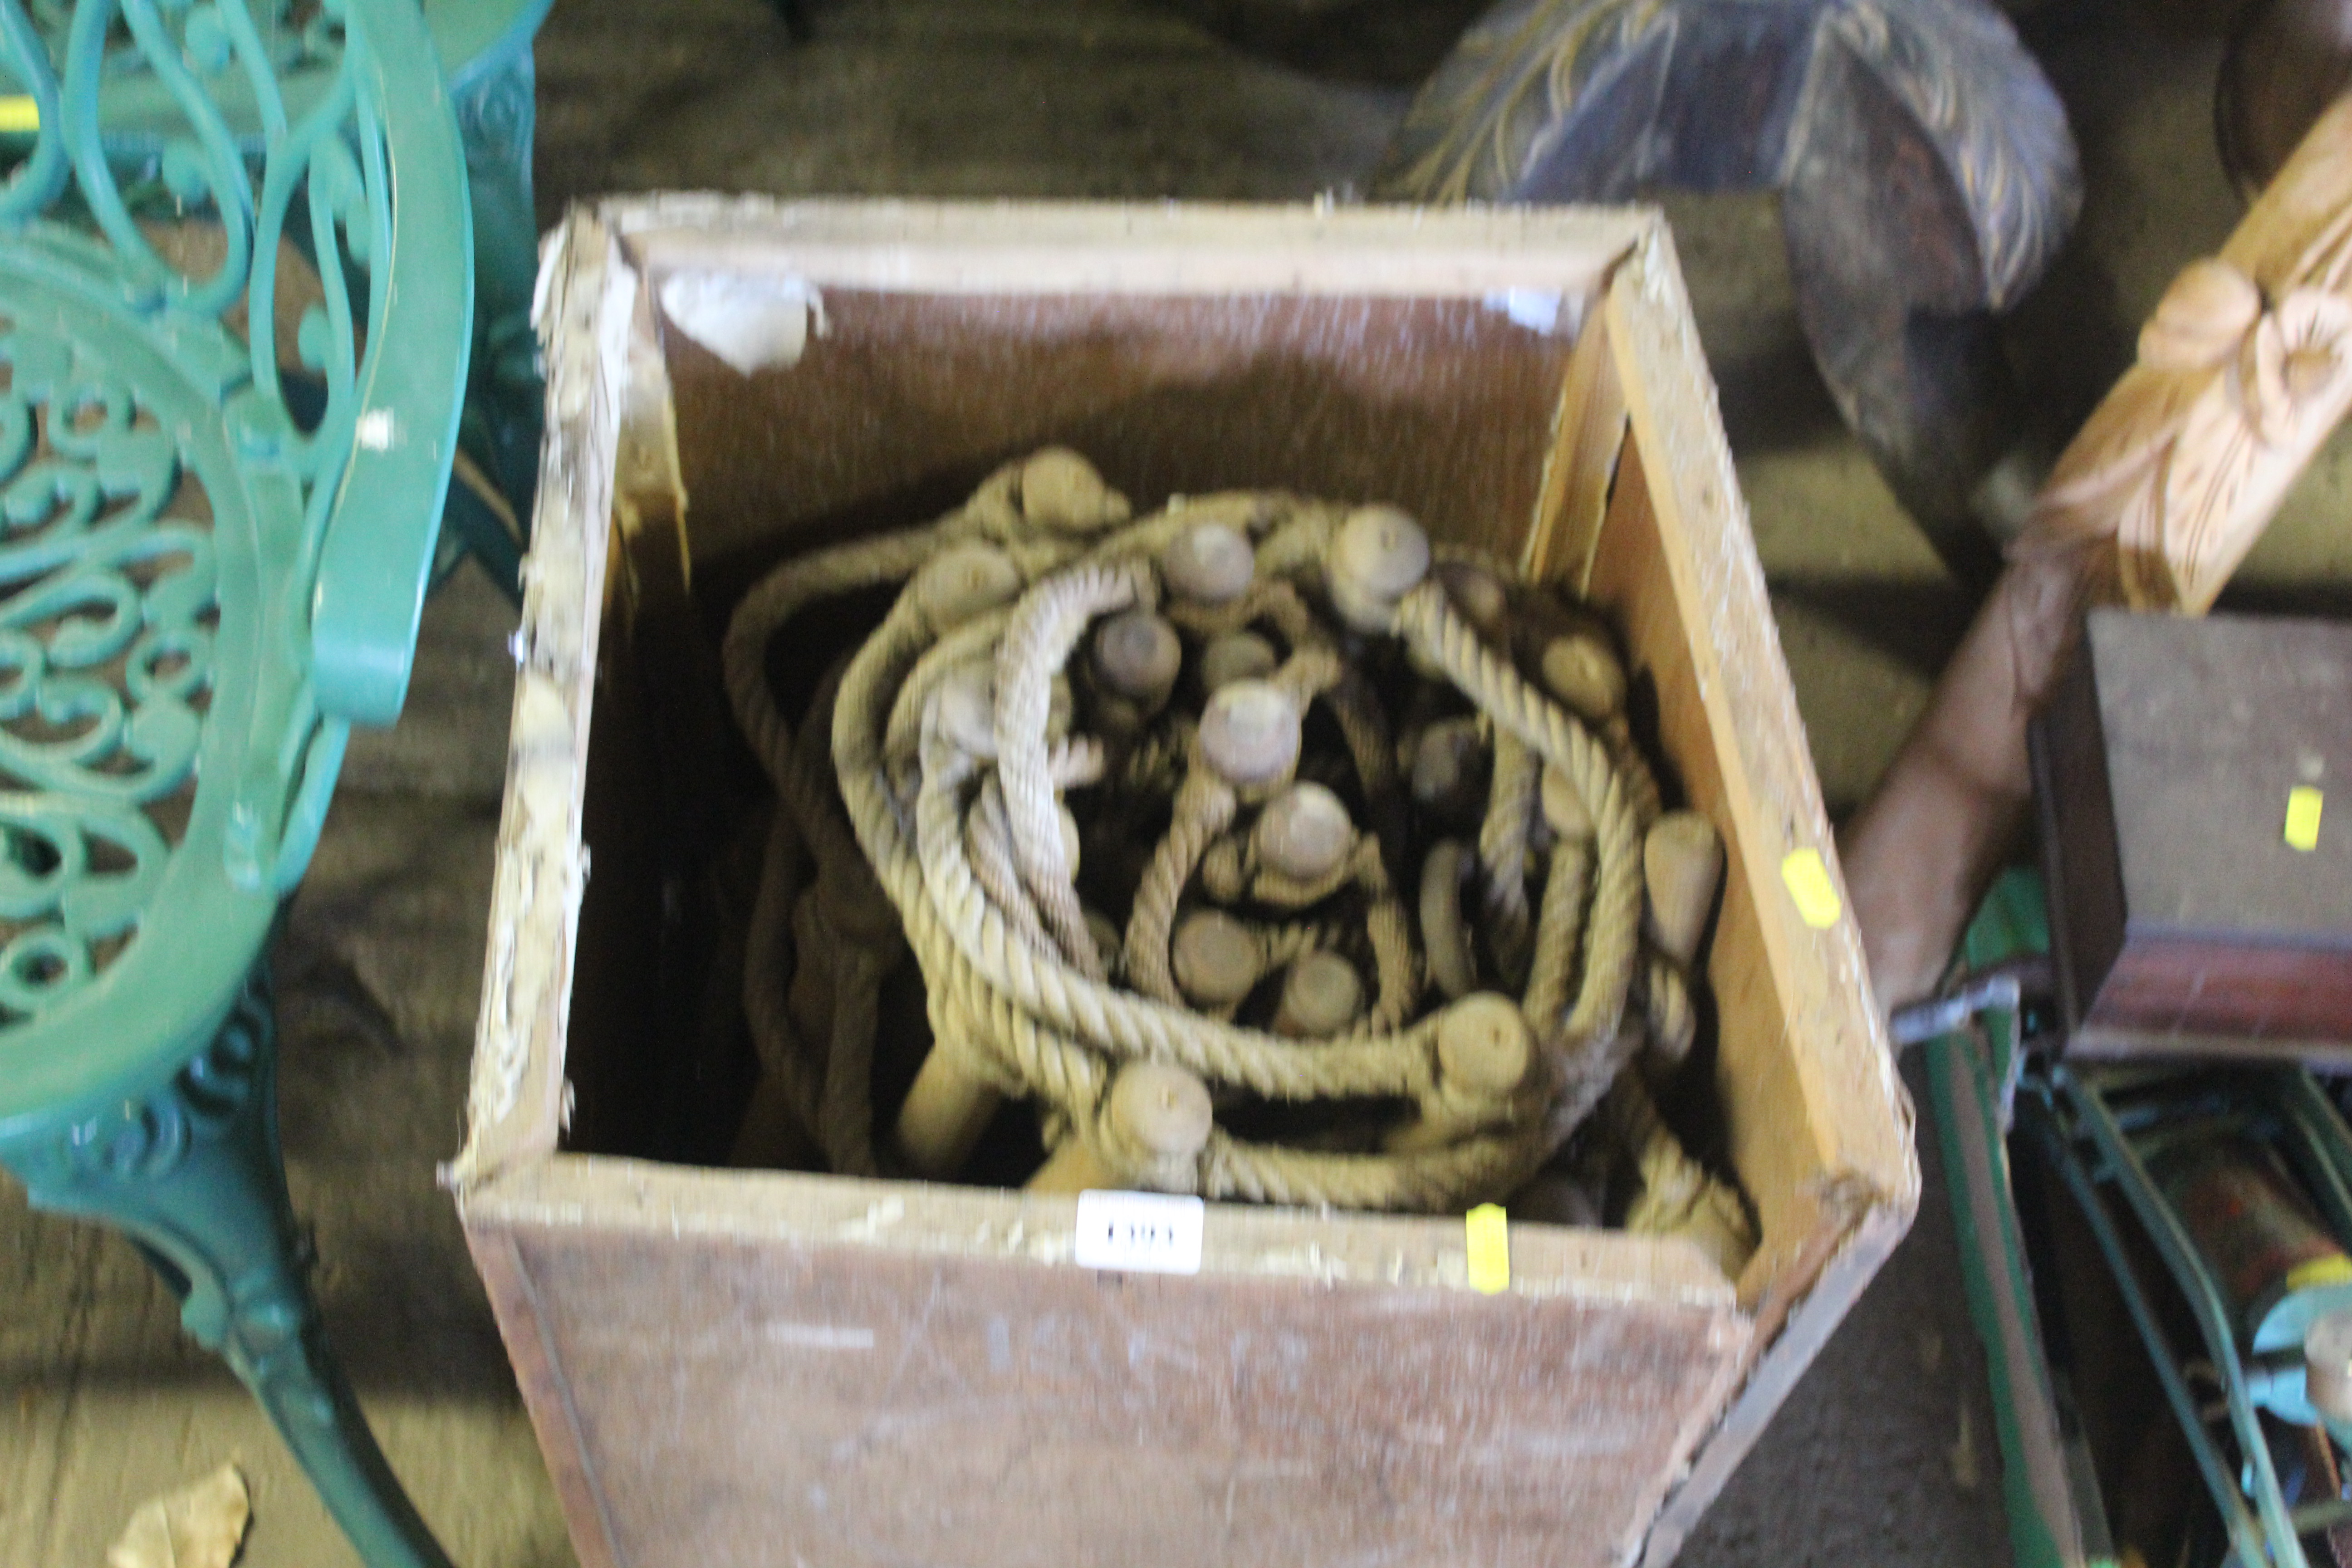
1181,671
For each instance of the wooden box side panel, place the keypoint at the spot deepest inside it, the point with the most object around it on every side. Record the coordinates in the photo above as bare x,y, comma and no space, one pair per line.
742,1401
1442,406
1762,1099
1819,1123
2074,801
586,302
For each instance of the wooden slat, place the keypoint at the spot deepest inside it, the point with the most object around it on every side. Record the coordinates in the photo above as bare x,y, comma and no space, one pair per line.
1108,248
1583,467
515,1105
546,1393
767,1367
1854,1108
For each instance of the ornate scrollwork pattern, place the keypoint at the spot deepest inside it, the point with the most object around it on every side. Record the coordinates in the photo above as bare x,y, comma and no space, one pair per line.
108,599
229,198
142,1140
2176,472
1533,74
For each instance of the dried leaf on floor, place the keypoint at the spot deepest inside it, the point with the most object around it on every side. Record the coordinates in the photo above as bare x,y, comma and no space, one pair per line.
199,1526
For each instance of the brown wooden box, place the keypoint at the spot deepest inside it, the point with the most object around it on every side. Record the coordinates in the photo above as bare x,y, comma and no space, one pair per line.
738,1368
2182,921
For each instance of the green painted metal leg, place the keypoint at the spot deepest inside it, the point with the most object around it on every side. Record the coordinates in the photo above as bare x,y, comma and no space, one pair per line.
504,403
192,1173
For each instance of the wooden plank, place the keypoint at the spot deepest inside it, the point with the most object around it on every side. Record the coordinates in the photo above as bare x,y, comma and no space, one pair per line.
1630,578
1446,406
870,1372
1854,1108
1026,248
1788,1348
1006,1224
1820,1128
649,485
515,1104
546,1396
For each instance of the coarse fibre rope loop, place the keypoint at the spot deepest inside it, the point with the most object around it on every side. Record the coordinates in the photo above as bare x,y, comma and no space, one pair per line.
1487,677
1034,1020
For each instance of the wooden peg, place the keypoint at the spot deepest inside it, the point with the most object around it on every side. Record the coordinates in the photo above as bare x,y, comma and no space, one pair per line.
1303,833
1478,596
1250,732
963,580
1378,555
1564,810
967,701
1235,655
1208,563
1161,1111
943,1117
1216,959
1106,932
1062,491
1484,1049
1321,995
1681,866
1581,669
1449,769
1444,934
1137,655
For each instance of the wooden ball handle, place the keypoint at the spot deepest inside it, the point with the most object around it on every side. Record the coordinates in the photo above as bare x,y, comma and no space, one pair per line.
1484,1050
1377,556
1321,995
1235,655
1582,670
1305,832
1161,1110
1208,563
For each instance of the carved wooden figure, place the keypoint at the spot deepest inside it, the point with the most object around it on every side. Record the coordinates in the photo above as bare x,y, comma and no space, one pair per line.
1926,176
2244,370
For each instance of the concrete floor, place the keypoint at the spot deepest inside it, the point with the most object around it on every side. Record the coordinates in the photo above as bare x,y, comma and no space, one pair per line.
1884,1453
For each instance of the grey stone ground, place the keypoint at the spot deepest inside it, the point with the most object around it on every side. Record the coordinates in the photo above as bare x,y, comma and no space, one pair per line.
1883,1456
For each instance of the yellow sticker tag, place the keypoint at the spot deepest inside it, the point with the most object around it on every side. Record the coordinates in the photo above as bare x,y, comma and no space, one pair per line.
1490,1248
19,113
2332,1270
2303,803
1808,881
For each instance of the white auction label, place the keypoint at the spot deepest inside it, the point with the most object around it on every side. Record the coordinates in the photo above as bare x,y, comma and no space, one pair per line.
1147,1233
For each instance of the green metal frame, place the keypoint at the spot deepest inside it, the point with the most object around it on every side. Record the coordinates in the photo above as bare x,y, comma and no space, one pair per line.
2055,1517
2095,1129
484,48
214,549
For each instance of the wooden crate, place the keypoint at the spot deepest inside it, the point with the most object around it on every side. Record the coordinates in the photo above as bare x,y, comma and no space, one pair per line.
737,1368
